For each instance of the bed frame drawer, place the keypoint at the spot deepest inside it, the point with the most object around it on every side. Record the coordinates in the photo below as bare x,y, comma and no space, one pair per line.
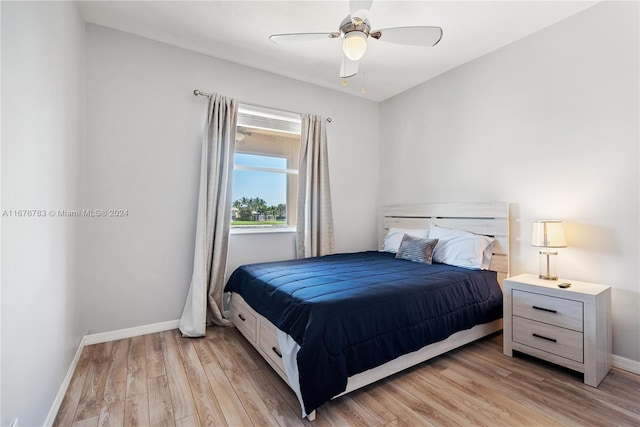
270,347
243,318
543,308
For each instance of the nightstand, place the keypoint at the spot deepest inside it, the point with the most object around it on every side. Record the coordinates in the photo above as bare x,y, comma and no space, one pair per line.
569,327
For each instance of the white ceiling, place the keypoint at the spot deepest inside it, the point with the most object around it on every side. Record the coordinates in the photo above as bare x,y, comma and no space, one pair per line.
238,31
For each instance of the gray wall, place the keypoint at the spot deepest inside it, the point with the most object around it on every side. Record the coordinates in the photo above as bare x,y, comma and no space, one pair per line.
144,130
549,123
42,125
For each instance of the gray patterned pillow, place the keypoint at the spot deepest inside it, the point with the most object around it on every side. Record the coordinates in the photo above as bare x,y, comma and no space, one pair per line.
416,249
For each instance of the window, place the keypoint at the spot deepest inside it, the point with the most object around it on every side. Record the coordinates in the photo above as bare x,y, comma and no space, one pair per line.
265,176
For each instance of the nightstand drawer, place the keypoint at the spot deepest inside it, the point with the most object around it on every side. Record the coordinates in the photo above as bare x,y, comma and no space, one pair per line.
242,318
543,308
552,339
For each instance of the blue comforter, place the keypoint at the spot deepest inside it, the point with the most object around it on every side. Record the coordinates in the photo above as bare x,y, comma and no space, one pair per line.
353,312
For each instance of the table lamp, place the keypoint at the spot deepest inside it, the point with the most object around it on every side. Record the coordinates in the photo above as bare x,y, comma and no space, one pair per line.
548,235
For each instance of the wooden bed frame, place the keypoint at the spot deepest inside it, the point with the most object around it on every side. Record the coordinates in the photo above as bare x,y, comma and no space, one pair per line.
481,218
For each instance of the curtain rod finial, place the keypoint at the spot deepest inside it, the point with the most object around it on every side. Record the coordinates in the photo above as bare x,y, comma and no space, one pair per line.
196,92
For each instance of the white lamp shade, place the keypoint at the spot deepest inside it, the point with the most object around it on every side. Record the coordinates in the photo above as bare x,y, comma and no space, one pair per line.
548,234
355,45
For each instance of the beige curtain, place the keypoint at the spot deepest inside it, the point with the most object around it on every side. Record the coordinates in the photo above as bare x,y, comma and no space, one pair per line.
204,301
315,221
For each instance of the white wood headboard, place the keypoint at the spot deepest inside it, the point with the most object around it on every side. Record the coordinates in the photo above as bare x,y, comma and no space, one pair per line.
488,218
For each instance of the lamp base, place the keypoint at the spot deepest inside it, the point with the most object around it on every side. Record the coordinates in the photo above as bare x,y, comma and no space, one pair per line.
548,265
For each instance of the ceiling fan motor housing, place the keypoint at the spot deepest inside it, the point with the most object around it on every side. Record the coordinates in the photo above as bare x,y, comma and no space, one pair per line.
346,26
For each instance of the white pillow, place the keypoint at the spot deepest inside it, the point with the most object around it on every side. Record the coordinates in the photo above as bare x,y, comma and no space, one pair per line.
461,248
393,239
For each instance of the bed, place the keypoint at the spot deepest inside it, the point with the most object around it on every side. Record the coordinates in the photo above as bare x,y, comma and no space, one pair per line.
330,325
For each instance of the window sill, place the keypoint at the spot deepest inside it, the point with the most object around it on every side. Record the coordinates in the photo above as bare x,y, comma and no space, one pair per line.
261,230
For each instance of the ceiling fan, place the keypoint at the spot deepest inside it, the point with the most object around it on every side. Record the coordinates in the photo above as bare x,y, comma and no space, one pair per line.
355,30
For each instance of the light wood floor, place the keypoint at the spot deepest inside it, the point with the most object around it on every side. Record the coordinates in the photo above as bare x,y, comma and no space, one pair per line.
163,379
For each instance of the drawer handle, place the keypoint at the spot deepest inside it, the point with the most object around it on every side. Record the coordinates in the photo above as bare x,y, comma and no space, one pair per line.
545,338
275,350
242,317
543,309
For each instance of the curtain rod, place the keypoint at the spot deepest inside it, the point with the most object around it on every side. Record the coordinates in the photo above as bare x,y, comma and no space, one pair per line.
197,92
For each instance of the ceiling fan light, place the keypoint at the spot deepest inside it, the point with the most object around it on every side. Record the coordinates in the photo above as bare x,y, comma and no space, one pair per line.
355,45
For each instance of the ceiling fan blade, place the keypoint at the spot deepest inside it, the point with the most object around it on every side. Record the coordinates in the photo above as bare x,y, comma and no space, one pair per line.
359,10
348,68
301,37
413,36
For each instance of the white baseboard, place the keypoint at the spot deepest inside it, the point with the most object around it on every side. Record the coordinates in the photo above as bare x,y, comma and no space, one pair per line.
626,364
130,332
51,416
96,339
